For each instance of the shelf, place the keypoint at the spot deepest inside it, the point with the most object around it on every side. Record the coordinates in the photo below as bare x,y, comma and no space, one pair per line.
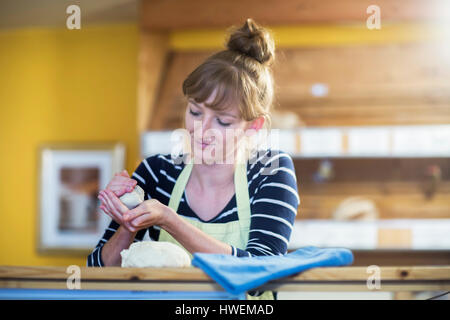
398,234
335,142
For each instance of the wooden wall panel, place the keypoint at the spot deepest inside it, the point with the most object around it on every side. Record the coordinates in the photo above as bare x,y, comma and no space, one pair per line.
182,14
152,65
171,104
376,85
399,187
322,204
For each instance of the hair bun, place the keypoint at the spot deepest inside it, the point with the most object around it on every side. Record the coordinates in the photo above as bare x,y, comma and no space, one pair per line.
253,41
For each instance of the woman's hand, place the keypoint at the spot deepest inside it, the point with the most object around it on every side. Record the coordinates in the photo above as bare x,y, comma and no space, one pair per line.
116,211
121,183
148,213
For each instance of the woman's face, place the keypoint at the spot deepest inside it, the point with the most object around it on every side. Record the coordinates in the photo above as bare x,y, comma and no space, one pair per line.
214,134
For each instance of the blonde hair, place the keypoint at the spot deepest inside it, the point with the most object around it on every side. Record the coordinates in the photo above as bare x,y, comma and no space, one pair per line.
241,74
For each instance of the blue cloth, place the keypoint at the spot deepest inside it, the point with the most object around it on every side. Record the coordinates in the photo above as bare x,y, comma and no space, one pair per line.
237,275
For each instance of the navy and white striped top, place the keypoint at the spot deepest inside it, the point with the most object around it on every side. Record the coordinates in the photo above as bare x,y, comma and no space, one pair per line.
273,193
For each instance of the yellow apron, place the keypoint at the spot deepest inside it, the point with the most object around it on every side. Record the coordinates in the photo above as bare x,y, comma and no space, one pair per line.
234,233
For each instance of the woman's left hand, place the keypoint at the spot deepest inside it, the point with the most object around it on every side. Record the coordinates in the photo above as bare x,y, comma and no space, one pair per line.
148,213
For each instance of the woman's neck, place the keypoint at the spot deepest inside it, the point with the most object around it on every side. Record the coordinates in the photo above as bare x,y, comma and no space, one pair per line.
213,176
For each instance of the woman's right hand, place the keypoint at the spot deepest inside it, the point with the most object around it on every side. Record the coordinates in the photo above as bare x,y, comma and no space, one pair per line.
121,184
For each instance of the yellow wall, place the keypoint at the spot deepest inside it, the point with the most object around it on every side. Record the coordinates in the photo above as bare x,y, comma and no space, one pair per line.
58,85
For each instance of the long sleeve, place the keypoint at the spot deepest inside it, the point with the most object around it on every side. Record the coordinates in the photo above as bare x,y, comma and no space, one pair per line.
273,208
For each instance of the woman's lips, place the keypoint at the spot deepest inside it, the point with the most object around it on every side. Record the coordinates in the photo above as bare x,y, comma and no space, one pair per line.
203,144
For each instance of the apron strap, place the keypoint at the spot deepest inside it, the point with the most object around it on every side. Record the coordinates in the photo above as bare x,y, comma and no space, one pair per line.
242,199
241,187
179,187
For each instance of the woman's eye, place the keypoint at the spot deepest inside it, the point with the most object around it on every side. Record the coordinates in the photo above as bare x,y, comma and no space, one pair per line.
194,113
223,123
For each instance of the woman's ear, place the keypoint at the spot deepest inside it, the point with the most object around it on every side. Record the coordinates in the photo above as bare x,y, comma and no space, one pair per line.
257,123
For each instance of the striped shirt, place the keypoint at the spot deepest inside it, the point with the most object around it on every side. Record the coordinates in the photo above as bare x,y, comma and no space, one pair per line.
273,193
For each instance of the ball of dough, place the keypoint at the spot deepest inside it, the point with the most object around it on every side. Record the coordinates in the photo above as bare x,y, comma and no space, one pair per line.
154,254
134,198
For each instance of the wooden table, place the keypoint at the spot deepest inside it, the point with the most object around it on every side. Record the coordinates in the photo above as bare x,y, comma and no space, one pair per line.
156,281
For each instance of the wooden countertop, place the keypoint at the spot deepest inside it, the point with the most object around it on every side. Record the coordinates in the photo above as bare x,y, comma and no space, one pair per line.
397,278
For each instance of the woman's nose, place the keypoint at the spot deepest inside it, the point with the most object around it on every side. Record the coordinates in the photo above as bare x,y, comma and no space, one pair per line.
204,131
200,126
206,124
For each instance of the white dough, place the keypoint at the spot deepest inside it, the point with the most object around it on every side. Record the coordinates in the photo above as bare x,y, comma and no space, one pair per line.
134,198
154,254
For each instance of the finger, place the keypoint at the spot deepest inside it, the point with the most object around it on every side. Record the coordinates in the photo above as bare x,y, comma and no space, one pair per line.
102,200
109,212
119,186
141,209
116,216
130,227
119,178
118,181
115,203
107,203
102,208
124,182
106,211
117,219
124,173
141,220
131,182
110,205
120,190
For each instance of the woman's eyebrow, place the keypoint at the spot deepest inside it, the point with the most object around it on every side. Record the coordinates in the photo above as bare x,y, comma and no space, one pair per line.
219,112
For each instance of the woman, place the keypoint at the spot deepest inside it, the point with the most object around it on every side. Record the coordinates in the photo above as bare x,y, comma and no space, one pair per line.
242,208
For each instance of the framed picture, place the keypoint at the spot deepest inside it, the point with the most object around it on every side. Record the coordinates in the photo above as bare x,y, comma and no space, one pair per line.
70,177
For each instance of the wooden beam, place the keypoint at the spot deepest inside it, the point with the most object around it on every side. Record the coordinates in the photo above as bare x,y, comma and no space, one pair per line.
151,67
187,14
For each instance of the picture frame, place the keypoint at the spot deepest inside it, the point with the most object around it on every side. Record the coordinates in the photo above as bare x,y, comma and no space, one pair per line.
70,175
